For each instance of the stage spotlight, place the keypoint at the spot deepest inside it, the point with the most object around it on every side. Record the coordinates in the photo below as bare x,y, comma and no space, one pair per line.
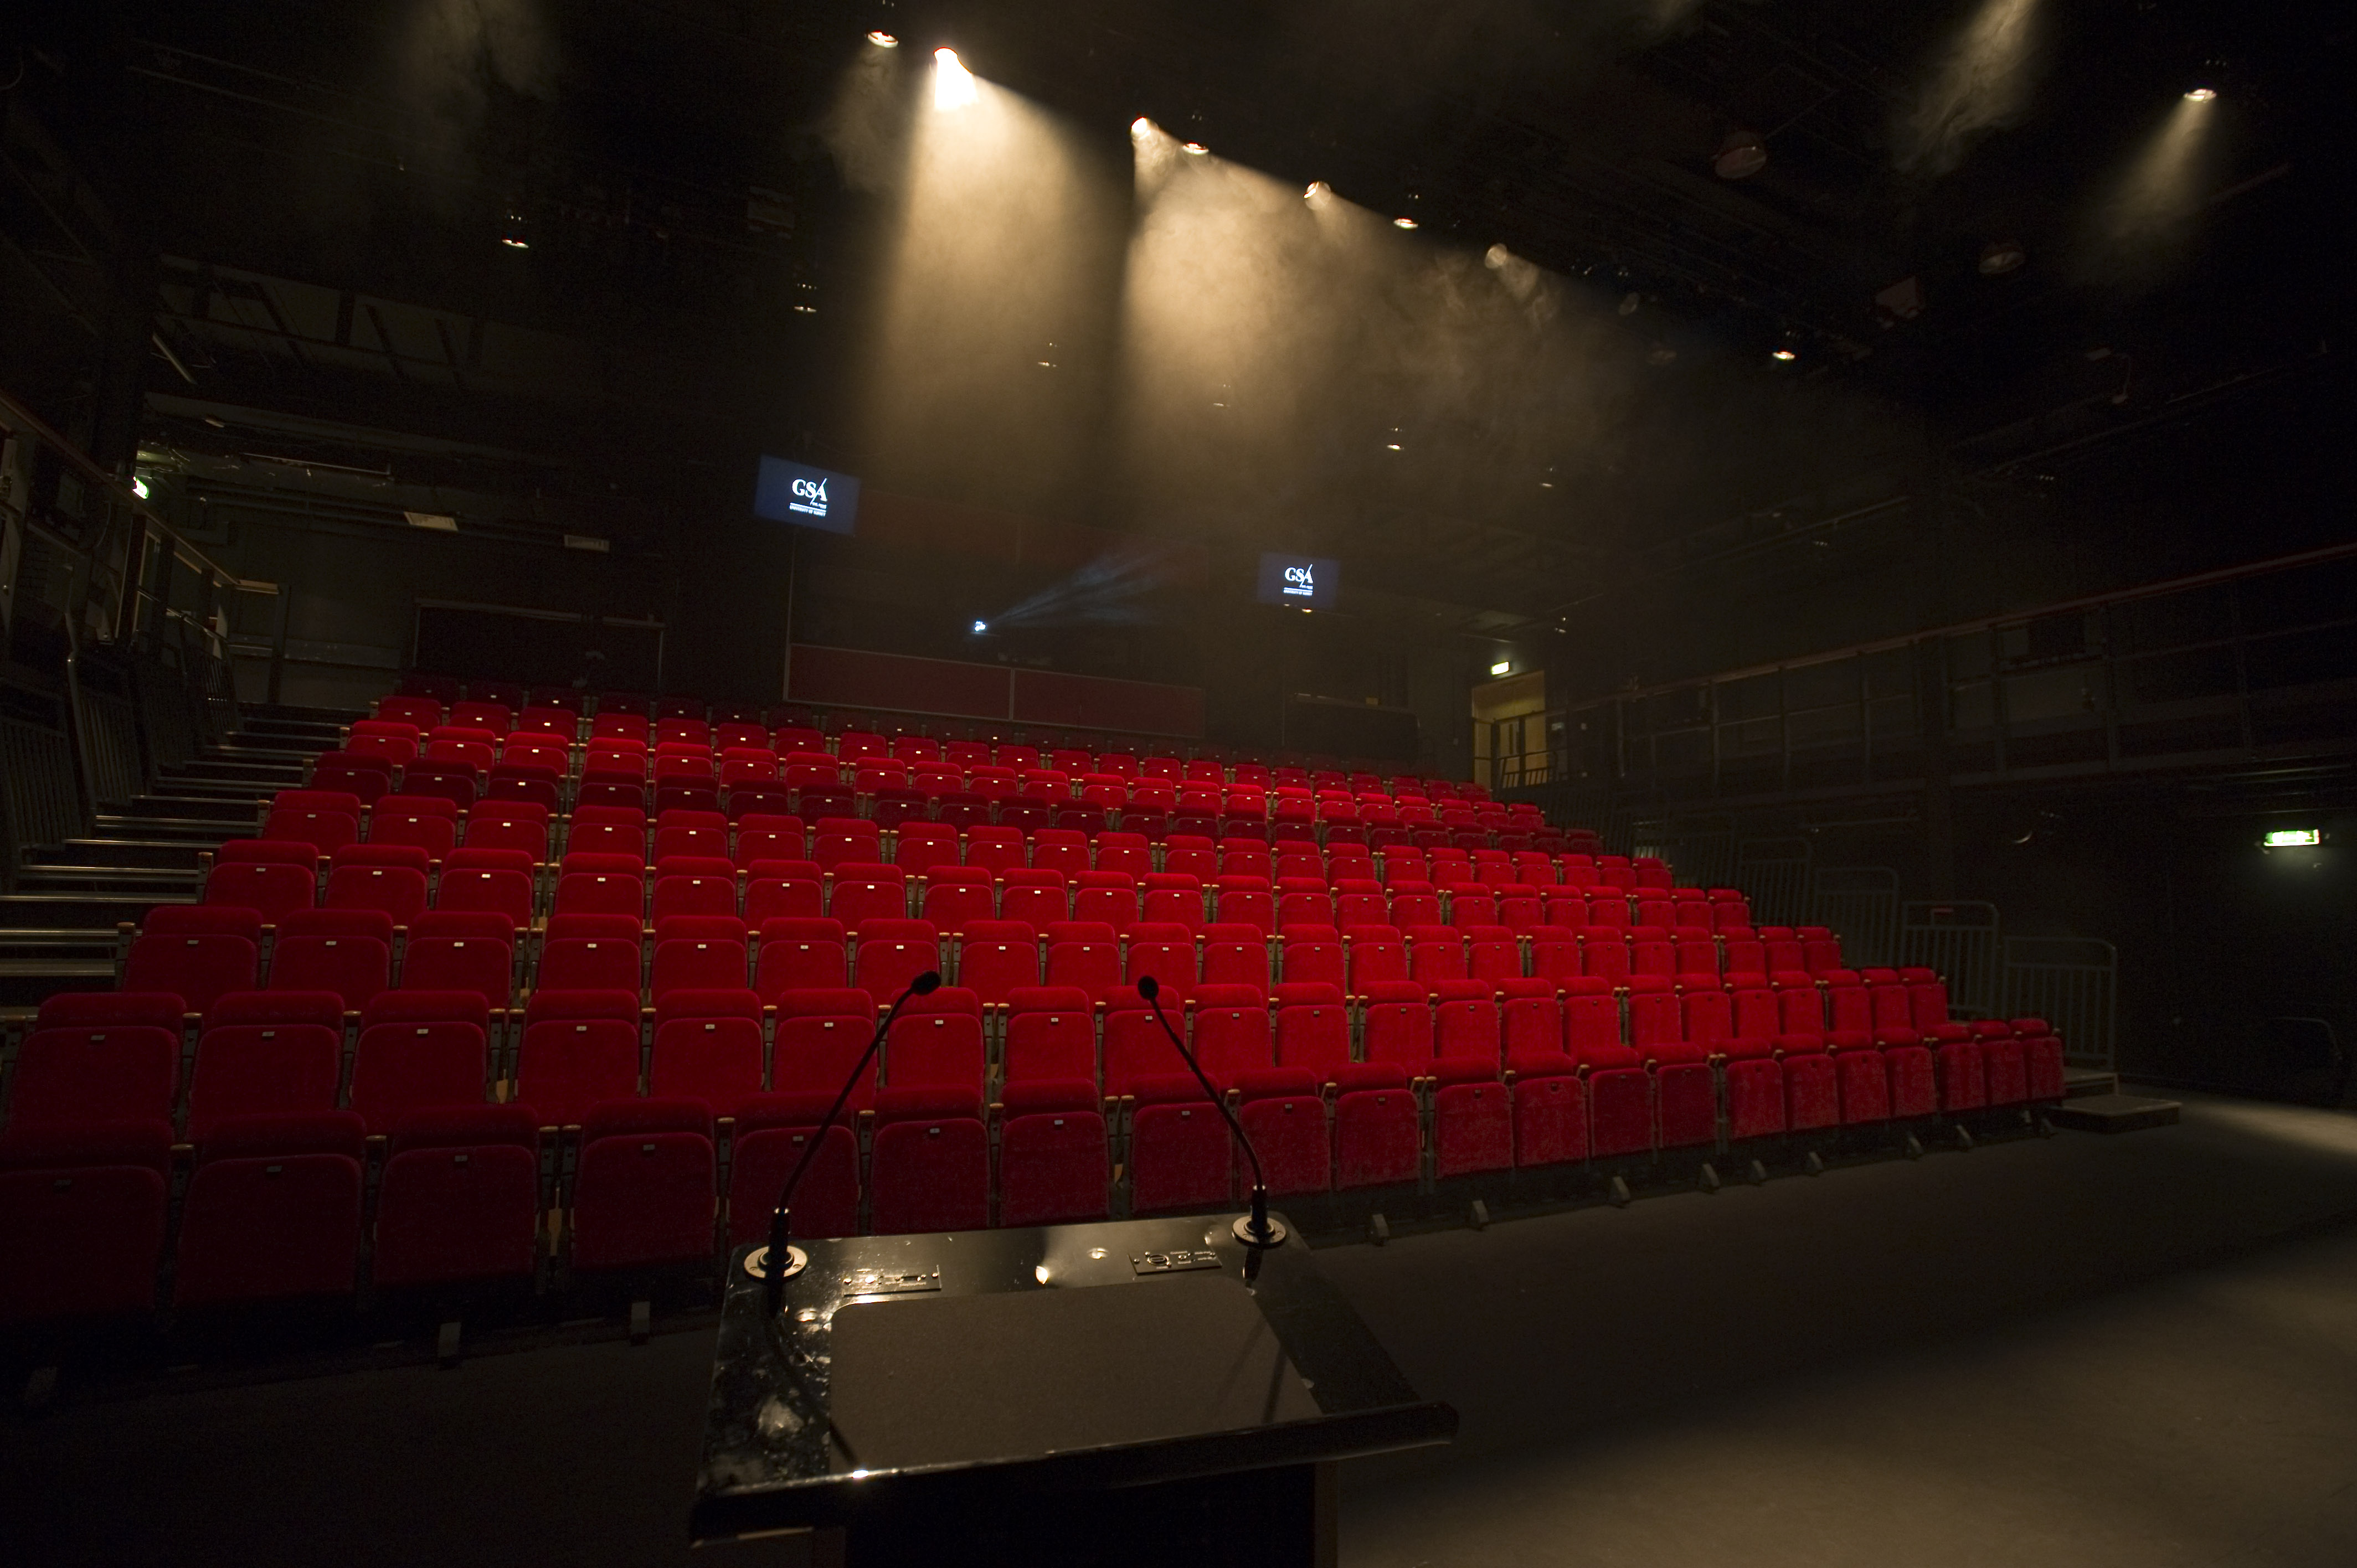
1318,188
1740,155
1402,222
1196,149
981,627
883,40
2201,94
1999,257
953,83
1781,352
1141,127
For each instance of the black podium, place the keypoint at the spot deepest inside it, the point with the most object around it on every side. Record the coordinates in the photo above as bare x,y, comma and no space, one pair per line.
1144,1390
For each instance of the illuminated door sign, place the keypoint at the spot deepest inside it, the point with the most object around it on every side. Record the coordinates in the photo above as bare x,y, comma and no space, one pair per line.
1303,582
813,498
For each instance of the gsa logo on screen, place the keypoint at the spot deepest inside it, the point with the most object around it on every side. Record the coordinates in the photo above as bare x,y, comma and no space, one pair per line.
813,498
1301,581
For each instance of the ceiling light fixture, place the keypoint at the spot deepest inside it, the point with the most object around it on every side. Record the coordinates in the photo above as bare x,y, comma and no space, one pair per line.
1141,127
953,83
1402,222
2201,94
1740,155
1318,188
1999,257
1197,148
1503,667
1783,353
883,40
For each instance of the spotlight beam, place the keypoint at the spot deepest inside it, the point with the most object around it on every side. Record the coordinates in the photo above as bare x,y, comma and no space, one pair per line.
953,83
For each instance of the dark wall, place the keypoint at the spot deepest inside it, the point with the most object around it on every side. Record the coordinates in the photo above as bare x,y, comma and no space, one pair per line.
2224,947
2145,495
349,593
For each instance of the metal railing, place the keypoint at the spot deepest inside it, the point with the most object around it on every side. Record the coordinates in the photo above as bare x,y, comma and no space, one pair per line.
127,622
1774,874
2225,664
2073,984
1861,902
1960,939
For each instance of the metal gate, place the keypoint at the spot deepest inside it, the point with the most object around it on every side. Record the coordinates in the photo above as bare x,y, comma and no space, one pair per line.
1860,903
1960,939
1774,872
2069,982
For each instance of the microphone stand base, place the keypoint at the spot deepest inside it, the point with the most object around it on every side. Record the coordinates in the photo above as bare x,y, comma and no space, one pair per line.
757,1262
1243,1232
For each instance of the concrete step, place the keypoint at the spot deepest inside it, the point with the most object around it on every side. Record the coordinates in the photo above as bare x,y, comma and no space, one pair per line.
83,911
163,881
203,832
2079,1081
2114,1113
160,853
212,793
223,770
24,991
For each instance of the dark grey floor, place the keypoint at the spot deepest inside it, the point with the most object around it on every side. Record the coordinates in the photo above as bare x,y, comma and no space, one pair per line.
2087,1350
2136,1350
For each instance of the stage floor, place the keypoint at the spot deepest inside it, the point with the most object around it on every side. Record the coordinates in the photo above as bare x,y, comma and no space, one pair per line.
2085,1350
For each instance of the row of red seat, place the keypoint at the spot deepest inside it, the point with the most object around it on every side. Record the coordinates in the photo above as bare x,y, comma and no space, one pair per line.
276,876
419,719
330,821
274,1207
203,950
1149,808
434,1040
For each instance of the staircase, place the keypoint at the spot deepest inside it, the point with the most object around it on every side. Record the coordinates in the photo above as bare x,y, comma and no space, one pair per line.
57,928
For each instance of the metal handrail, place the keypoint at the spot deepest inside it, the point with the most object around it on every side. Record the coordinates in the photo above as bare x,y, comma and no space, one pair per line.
23,418
1985,623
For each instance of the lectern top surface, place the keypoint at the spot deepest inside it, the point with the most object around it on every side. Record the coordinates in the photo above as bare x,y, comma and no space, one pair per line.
1057,1370
1054,1357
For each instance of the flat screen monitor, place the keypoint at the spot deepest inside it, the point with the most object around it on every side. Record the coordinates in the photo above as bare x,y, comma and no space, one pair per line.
811,498
1306,582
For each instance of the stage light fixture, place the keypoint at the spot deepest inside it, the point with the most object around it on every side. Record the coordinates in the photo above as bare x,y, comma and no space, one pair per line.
1141,127
1503,667
1781,352
883,40
1740,155
1402,222
1194,149
2201,94
513,234
1391,445
953,83
981,627
1318,188
2293,838
1999,257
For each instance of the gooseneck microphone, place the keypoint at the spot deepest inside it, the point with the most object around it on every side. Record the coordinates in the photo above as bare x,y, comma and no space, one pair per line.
1257,1230
775,1260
